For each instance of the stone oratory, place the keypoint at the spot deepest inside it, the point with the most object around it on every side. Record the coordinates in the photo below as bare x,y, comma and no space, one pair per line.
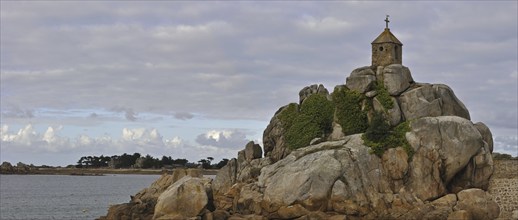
386,48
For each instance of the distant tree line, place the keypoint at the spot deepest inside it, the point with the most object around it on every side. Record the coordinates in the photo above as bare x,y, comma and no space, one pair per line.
136,160
503,156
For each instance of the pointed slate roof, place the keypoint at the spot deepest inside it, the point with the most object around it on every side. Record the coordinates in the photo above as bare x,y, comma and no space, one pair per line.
386,37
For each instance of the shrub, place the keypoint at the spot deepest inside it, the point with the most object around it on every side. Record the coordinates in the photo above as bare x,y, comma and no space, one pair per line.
313,120
348,111
383,96
288,115
380,137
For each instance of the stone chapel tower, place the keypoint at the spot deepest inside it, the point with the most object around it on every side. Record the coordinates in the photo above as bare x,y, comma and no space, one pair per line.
386,48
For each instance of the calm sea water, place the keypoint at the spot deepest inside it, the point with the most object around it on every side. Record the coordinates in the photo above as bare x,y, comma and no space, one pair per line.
66,197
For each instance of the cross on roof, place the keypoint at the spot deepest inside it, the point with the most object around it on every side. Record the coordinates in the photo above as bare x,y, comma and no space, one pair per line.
387,21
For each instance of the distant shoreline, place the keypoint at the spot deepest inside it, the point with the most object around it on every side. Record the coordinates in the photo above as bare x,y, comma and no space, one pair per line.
98,171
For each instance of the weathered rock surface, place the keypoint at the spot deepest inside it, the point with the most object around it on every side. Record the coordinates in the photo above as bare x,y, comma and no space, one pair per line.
392,115
450,104
361,79
274,138
185,199
478,203
396,78
142,205
427,100
444,146
253,151
486,134
310,90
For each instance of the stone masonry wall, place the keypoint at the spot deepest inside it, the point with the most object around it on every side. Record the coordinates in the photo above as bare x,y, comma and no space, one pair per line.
504,187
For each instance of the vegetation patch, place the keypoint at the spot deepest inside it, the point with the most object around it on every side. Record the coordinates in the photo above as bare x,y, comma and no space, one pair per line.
348,111
313,119
383,96
380,136
288,115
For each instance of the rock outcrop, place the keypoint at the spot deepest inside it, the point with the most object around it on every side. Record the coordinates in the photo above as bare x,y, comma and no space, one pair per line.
20,168
274,136
439,168
186,198
142,205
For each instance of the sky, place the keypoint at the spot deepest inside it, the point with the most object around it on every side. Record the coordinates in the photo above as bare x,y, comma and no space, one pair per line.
191,79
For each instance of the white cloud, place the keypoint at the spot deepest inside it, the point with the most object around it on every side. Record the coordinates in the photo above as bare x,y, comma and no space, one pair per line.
506,144
142,137
232,139
27,139
175,142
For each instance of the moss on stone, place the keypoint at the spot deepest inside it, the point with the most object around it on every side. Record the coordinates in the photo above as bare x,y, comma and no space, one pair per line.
348,111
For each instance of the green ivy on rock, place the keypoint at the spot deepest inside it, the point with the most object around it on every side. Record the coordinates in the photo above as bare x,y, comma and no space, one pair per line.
380,136
348,111
314,119
383,96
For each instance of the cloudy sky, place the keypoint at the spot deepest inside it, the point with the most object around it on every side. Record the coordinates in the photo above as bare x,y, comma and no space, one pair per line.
199,79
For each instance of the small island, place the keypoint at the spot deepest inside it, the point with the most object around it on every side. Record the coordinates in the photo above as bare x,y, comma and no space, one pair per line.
380,146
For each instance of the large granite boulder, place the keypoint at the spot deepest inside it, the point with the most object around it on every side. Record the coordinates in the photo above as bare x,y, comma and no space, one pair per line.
450,104
226,177
420,102
486,134
396,78
427,100
478,203
162,183
393,115
444,146
312,89
142,205
361,79
274,143
186,198
253,151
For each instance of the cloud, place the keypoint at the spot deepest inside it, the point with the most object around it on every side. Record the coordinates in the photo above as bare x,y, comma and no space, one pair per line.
137,54
506,144
129,114
26,138
183,115
144,140
15,112
223,138
142,137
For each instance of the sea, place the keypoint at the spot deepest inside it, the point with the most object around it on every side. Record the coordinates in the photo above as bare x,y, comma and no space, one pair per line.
66,197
